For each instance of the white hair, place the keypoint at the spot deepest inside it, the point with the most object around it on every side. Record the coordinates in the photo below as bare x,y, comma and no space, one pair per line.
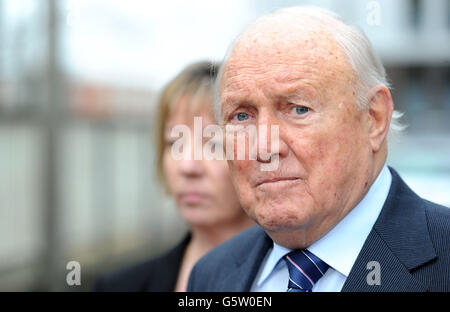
356,46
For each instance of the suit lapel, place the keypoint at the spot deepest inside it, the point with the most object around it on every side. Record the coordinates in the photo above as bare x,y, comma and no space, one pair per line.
399,242
393,275
247,266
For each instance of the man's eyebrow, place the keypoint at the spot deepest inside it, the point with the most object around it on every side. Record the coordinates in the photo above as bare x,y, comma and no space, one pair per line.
229,106
301,90
295,96
231,101
299,94
235,101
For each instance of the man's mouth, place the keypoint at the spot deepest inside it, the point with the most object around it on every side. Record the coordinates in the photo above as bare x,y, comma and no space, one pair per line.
276,180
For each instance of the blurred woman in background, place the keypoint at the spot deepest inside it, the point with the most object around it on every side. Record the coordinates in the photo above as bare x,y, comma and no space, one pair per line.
201,189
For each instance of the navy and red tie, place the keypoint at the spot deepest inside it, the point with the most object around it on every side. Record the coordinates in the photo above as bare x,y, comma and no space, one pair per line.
305,269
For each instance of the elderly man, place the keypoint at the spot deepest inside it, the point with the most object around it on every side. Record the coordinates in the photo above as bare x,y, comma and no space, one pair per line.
332,216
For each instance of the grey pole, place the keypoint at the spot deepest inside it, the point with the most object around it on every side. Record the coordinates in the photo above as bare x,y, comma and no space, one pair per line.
53,266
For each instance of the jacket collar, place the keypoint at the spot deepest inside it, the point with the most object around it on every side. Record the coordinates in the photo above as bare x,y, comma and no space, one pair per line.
399,242
247,266
402,224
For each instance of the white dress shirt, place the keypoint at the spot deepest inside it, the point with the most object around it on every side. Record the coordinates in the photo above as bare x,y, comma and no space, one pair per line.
339,248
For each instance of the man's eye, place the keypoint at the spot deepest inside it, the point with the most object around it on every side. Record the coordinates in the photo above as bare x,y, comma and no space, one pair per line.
242,116
301,110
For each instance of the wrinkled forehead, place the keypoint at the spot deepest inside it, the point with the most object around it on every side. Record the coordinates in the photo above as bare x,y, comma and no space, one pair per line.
286,52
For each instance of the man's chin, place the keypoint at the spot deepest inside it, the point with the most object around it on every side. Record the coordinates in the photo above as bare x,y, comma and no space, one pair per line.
290,238
291,233
280,226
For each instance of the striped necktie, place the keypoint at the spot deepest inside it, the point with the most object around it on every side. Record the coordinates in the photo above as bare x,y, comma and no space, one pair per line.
305,269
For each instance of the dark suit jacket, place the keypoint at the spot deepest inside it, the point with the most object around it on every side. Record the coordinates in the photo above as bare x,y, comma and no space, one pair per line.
410,240
159,274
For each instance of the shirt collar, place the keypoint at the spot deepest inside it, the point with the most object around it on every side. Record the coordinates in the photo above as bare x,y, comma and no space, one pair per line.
340,247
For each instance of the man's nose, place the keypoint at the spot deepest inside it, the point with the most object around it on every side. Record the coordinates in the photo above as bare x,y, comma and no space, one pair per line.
270,139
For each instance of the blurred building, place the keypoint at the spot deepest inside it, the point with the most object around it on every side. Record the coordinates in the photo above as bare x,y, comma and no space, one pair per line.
78,84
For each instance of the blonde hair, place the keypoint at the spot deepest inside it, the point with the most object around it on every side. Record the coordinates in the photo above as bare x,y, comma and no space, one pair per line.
194,83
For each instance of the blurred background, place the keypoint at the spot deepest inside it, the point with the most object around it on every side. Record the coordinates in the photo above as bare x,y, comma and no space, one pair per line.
79,80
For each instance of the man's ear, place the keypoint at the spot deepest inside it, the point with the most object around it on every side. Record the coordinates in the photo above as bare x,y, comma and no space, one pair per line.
380,113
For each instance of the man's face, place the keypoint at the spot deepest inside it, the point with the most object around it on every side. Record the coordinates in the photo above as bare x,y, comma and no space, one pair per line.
306,87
